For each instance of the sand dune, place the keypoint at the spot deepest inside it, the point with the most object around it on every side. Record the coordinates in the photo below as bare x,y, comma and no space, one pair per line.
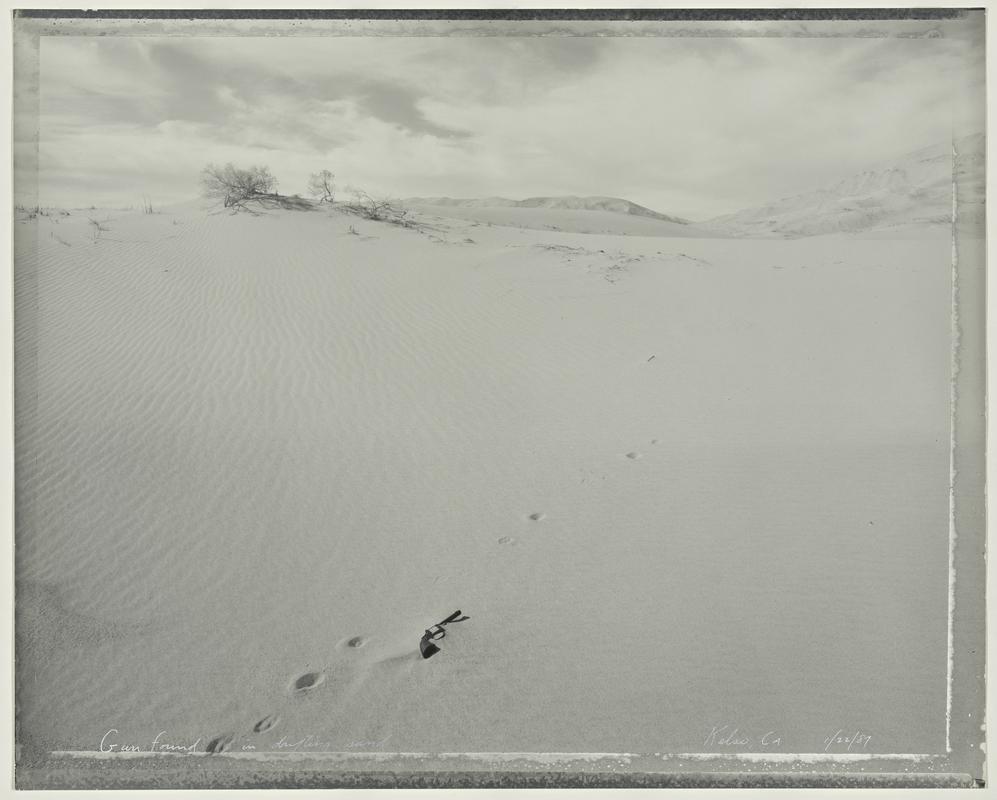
258,456
902,197
567,220
614,205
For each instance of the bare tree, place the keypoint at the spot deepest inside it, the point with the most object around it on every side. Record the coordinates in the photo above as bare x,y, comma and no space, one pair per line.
321,185
235,187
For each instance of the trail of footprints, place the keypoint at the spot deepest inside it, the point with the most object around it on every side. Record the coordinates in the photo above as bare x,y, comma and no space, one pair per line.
537,516
309,681
302,685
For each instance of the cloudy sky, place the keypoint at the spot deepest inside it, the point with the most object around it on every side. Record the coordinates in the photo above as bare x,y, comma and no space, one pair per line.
693,126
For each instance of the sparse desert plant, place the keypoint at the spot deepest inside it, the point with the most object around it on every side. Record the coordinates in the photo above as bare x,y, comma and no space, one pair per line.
367,206
379,209
96,229
147,205
236,187
321,186
354,231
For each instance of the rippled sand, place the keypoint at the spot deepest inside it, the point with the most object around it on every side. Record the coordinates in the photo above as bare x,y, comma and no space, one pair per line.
674,483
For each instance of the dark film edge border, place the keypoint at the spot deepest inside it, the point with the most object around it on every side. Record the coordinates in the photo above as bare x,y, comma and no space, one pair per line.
622,15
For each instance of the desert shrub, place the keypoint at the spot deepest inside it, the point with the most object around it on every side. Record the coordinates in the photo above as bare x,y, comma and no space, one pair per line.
379,209
321,186
238,188
96,229
235,186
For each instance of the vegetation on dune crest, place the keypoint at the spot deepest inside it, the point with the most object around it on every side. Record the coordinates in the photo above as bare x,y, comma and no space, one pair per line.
321,186
379,209
234,186
238,187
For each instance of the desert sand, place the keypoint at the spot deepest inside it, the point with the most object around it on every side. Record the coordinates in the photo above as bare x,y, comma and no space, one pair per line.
675,483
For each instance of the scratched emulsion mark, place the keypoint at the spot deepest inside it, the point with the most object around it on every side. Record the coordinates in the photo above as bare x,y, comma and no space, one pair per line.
953,405
426,646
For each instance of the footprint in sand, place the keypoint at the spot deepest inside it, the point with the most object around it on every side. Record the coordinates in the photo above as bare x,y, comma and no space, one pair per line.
507,540
220,743
537,516
633,455
353,643
265,724
307,682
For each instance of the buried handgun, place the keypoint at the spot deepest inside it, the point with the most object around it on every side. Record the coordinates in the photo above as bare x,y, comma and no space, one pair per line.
426,646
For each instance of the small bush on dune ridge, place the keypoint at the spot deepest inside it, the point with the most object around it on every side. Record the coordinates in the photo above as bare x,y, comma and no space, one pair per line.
321,185
378,208
236,188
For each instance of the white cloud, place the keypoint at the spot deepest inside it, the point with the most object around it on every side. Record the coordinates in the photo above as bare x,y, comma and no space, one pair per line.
690,126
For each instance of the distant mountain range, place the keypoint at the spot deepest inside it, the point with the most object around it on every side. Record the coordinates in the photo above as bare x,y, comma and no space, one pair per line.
613,204
914,190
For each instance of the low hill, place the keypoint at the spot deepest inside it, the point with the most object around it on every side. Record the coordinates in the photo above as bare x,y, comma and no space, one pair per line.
568,202
595,215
